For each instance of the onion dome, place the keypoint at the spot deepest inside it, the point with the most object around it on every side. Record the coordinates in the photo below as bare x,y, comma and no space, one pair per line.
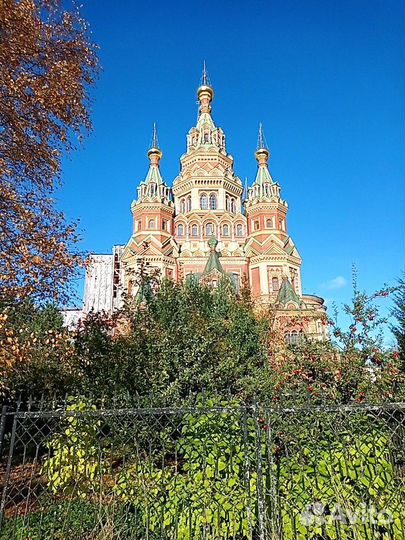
205,92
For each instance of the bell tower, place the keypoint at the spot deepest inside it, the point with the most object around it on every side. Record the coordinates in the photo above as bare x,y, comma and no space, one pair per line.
152,213
272,253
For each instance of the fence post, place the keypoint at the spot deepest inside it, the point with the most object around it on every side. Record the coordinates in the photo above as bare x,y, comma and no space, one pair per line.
247,466
8,469
261,507
2,427
273,494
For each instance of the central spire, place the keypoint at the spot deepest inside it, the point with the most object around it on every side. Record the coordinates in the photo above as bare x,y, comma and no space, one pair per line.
205,92
205,80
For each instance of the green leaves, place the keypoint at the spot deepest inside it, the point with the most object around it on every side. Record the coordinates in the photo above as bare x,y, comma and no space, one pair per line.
75,465
208,496
349,471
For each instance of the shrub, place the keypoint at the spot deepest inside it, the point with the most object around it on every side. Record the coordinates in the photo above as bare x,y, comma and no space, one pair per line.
75,466
209,490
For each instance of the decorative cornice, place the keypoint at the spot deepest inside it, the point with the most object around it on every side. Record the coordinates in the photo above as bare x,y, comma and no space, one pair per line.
183,186
255,259
253,207
151,258
150,205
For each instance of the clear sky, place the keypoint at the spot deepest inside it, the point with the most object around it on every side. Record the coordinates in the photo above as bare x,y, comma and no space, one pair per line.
326,79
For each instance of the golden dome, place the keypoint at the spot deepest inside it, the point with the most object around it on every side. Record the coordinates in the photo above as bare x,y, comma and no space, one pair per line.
155,152
262,153
205,89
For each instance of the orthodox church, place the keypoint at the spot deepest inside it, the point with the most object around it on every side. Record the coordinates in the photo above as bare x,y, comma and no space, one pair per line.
207,226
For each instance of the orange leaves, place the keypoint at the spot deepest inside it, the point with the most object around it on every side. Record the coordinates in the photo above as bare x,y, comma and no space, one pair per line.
37,254
47,65
25,342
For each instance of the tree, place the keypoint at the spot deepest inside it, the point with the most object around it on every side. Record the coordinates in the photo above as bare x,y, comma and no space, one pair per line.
35,352
353,366
186,338
47,65
398,312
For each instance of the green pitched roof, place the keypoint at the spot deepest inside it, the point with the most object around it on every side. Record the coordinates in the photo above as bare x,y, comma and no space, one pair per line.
263,177
213,258
154,176
287,294
144,292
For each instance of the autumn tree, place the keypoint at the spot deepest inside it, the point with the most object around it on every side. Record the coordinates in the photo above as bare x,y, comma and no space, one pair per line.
47,66
35,351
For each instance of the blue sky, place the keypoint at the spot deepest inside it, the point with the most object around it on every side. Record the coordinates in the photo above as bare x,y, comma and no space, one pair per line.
325,77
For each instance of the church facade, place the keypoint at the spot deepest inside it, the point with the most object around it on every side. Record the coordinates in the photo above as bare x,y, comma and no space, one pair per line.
207,225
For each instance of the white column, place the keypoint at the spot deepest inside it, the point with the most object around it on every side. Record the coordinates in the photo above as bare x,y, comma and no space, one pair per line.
221,199
264,282
195,199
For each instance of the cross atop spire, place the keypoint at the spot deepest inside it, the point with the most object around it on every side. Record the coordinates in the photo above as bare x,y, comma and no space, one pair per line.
154,152
261,140
205,79
205,92
154,142
262,151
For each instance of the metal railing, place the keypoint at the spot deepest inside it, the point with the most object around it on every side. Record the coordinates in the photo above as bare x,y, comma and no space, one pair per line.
212,471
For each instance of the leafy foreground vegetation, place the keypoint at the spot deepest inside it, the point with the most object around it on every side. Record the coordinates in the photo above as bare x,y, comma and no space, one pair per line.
186,339
259,439
217,470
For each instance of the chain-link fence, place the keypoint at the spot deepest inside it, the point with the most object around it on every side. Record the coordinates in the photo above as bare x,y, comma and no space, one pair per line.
218,471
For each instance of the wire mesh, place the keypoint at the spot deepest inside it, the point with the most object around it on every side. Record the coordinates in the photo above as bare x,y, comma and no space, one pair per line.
203,472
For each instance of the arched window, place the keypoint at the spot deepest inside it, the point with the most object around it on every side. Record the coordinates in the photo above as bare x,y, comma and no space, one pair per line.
152,188
233,206
206,137
225,230
189,203
209,229
194,230
183,206
203,201
275,284
269,223
213,201
151,224
239,229
227,203
256,225
180,229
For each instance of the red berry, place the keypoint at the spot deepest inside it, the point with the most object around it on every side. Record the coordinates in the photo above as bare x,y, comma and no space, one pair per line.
265,427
